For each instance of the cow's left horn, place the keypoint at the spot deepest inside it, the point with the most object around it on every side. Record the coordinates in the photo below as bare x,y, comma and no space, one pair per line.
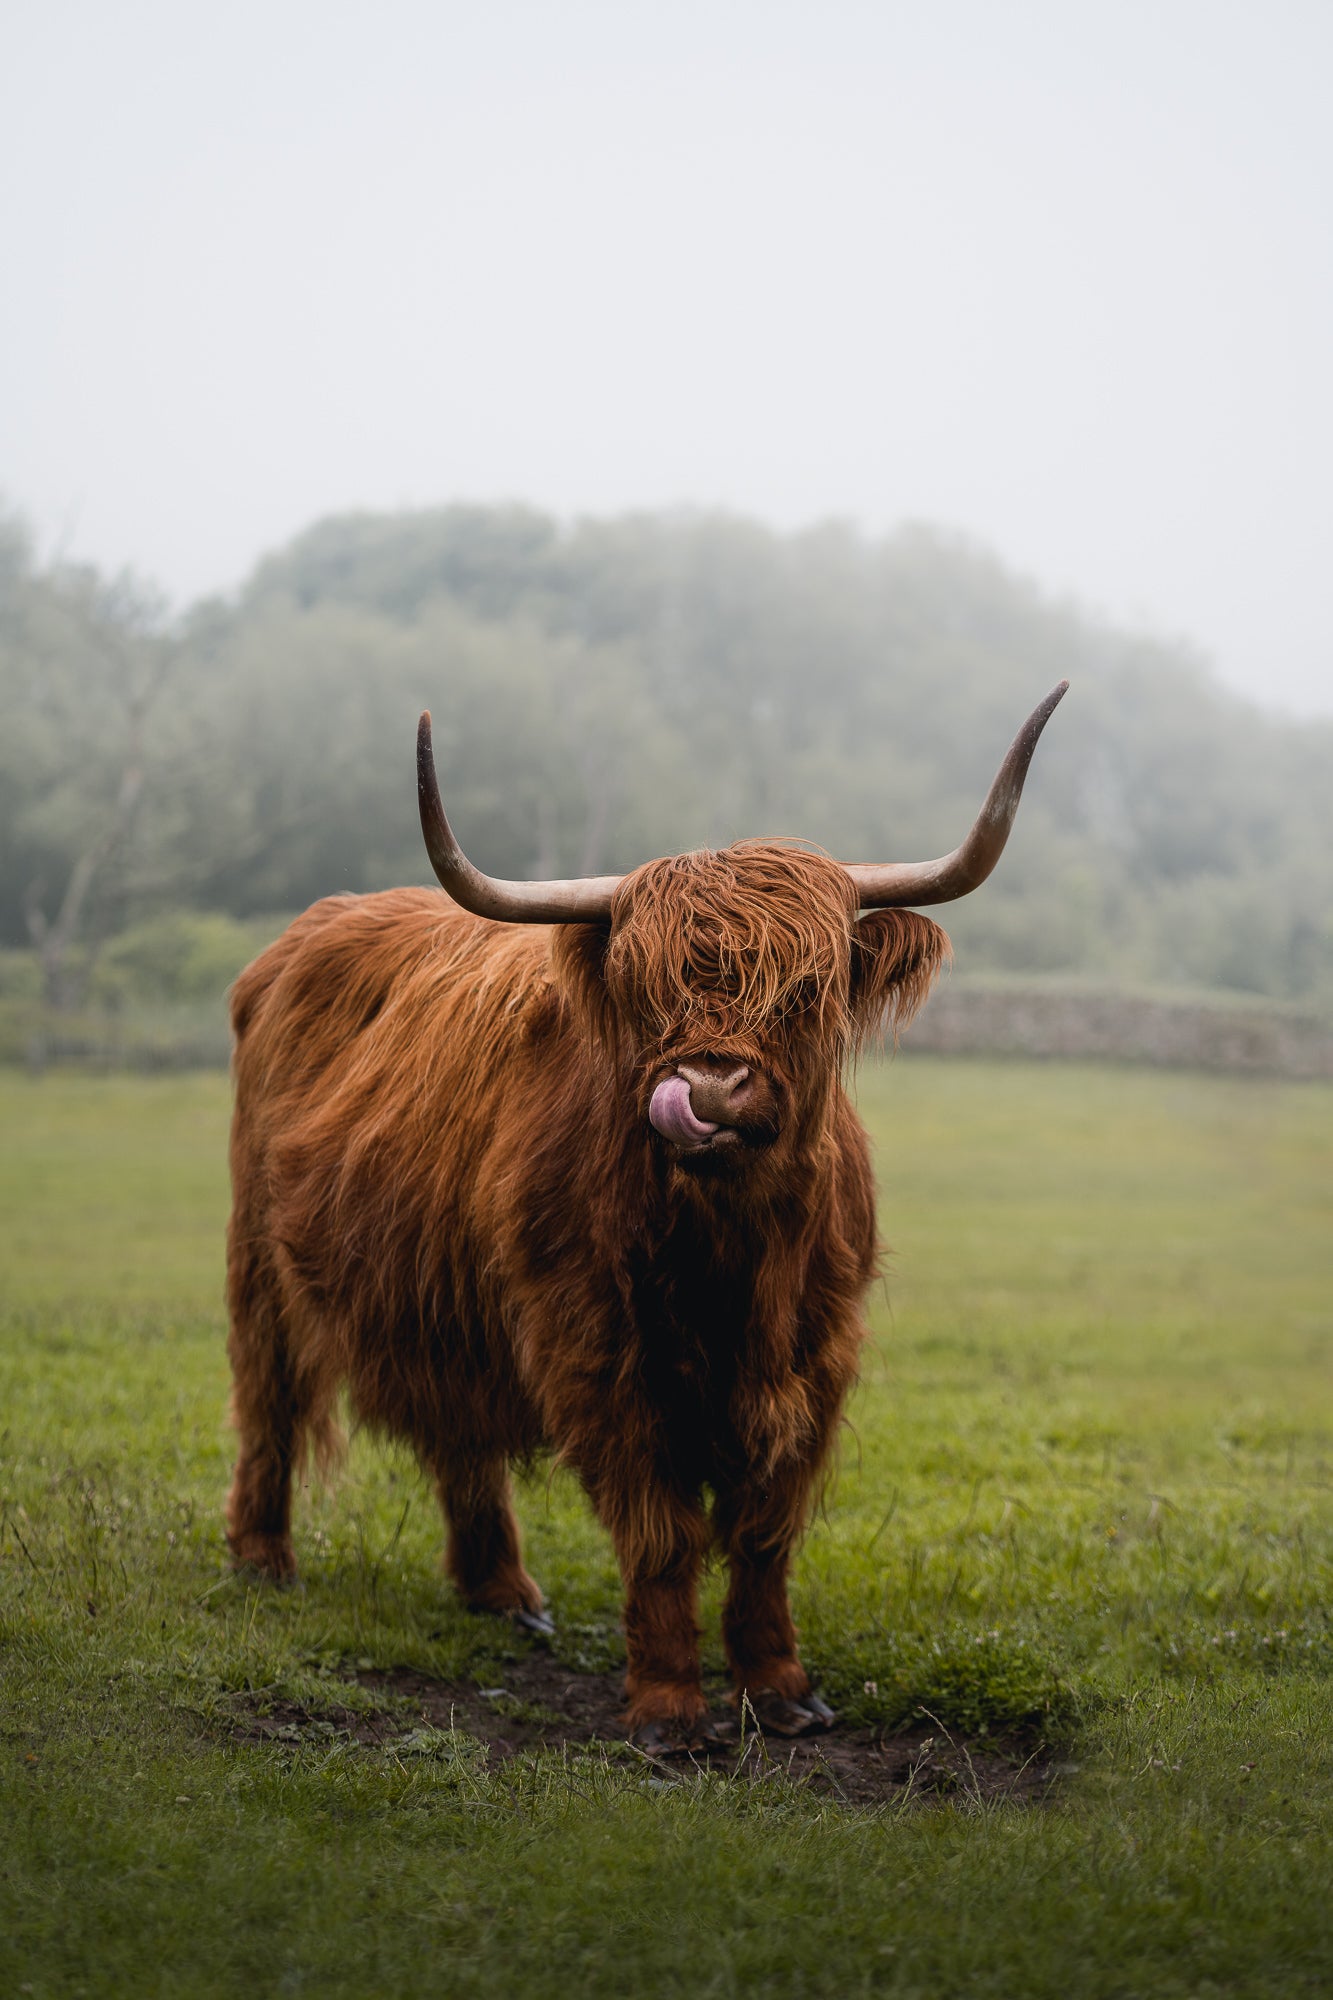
585,901
888,885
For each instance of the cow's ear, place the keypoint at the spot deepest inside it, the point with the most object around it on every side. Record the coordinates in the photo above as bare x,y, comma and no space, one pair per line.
896,955
578,968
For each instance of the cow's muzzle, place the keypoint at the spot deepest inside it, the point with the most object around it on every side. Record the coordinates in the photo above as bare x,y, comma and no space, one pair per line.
710,1105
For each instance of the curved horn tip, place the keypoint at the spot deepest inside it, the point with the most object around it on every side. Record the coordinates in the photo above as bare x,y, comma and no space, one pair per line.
1057,694
428,784
1041,715
898,884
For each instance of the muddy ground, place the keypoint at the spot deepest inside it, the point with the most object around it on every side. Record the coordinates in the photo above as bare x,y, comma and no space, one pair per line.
535,1703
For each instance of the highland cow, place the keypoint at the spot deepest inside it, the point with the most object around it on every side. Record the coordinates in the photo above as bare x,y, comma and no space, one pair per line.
570,1168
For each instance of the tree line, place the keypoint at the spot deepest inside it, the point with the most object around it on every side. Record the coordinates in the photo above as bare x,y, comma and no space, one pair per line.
613,689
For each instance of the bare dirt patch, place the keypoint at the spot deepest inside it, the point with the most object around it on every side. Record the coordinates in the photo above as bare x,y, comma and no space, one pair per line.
535,1704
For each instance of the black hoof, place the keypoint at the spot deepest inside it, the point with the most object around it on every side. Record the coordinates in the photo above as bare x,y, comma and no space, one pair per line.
251,1573
674,1739
655,1739
537,1624
671,1739
534,1624
781,1716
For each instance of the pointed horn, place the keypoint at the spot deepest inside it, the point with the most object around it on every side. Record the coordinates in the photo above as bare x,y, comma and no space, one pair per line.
587,901
890,884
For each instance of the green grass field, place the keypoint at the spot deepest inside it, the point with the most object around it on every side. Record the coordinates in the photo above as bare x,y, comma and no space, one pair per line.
1086,1495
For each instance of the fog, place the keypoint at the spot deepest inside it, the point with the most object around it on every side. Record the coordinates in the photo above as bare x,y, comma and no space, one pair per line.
1055,276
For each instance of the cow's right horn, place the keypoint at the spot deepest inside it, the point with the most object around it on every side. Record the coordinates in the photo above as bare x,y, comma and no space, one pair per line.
583,901
884,885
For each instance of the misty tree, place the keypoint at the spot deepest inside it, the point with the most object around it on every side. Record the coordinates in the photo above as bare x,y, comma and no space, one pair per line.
83,664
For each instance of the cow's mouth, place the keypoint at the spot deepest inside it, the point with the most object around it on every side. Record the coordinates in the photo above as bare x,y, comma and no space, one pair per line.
671,1113
696,1140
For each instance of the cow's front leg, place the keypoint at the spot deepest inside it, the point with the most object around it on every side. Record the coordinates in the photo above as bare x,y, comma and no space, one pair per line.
758,1531
660,1543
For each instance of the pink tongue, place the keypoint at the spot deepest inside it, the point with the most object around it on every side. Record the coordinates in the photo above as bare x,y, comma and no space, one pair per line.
673,1115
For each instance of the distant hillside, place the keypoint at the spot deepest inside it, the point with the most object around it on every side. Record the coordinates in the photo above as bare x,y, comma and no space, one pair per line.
625,687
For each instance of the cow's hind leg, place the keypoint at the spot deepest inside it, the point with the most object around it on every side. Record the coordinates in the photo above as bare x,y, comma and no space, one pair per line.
484,1555
272,1410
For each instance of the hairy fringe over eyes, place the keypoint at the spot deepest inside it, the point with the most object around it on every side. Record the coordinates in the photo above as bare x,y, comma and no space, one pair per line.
719,949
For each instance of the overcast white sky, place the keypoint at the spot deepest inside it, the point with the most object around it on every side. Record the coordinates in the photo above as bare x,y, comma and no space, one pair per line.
1055,272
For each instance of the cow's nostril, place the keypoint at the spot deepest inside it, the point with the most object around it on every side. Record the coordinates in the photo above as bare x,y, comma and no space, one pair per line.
713,1079
713,1092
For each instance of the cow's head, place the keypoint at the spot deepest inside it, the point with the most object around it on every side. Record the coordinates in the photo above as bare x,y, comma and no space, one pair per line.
737,982
733,984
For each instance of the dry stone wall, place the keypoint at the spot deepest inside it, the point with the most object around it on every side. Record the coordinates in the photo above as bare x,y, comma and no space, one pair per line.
1035,1021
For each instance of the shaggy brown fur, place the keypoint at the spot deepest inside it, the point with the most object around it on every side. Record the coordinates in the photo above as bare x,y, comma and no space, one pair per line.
448,1196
